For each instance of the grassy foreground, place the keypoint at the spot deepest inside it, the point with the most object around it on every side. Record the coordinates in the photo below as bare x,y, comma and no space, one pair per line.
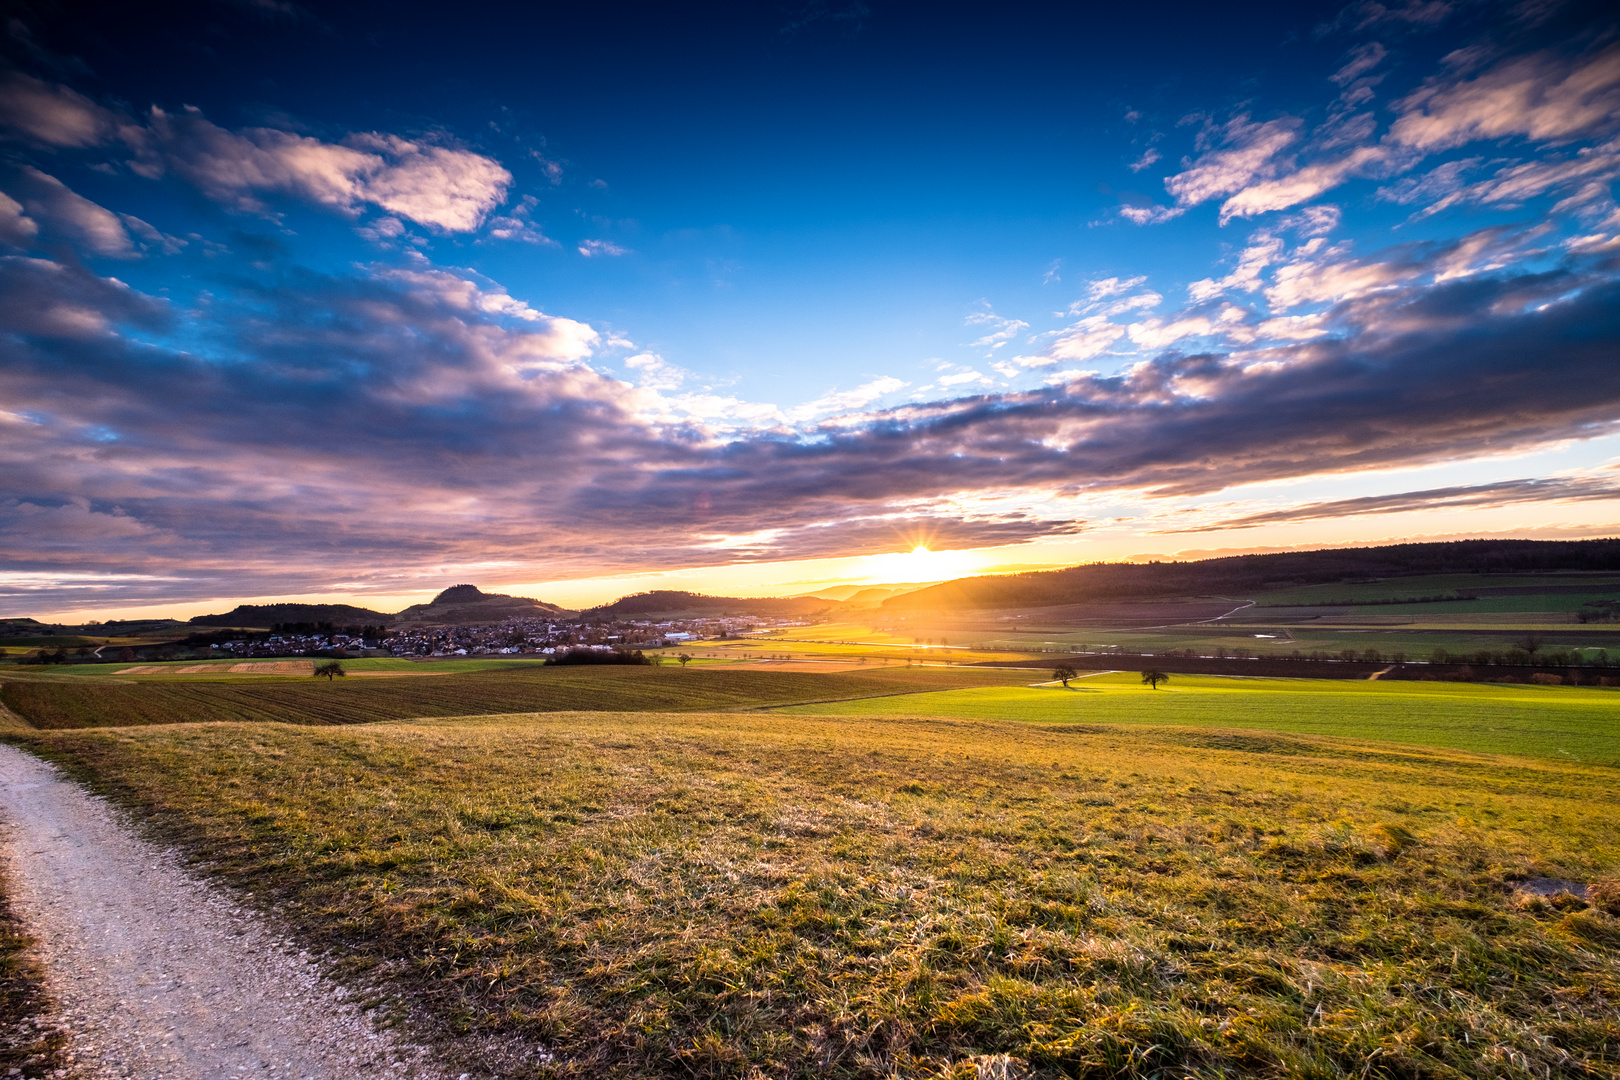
748,895
1568,723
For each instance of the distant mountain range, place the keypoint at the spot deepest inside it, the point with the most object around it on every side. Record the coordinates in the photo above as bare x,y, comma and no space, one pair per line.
865,596
672,604
1248,573
1096,582
458,604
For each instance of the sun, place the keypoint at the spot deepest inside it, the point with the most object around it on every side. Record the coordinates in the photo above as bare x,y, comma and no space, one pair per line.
921,563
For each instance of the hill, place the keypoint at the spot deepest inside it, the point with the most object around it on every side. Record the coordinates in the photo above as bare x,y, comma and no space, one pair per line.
264,616
673,604
1240,573
864,595
469,604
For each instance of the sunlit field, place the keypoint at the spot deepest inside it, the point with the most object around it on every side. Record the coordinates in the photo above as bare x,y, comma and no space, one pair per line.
747,895
1569,723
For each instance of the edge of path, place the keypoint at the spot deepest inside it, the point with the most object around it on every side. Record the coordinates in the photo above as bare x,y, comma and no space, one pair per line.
384,999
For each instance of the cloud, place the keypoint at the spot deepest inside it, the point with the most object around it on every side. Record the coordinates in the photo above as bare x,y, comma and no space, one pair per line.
1083,340
46,300
1151,215
1161,333
53,115
1439,183
151,237
594,248
16,228
1369,14
1362,59
1249,151
1317,274
1591,170
1264,249
1103,288
841,401
1000,333
1305,184
655,373
363,425
518,225
1503,493
369,421
1147,159
66,213
1544,97
442,187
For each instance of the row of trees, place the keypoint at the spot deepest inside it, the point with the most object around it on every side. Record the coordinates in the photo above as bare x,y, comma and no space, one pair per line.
1064,672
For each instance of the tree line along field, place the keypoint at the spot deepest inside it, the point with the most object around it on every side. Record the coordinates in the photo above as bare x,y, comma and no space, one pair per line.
768,895
74,702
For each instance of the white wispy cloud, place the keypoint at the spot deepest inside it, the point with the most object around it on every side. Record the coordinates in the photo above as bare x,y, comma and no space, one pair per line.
596,248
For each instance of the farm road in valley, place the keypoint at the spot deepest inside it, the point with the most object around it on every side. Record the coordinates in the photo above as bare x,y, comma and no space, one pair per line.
158,975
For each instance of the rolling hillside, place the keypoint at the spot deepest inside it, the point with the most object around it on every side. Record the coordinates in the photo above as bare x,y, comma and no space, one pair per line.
1248,573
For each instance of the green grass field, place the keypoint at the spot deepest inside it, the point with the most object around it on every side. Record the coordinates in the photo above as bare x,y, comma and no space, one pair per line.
1406,588
768,895
1568,723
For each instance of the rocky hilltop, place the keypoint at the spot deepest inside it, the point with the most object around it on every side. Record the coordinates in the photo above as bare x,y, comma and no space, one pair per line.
462,604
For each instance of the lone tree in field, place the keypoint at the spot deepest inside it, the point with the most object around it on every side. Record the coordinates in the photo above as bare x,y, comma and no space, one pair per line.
1154,678
1064,673
332,669
684,658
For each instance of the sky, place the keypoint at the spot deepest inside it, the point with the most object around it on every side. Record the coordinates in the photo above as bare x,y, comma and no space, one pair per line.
351,302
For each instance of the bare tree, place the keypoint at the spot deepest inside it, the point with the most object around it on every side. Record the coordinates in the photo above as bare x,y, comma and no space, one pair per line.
684,658
1153,678
332,669
1063,673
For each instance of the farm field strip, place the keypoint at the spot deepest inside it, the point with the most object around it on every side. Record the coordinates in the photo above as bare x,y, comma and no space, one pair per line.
1564,723
78,702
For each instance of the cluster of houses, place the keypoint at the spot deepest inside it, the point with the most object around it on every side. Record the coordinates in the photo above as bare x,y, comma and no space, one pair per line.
511,637
539,637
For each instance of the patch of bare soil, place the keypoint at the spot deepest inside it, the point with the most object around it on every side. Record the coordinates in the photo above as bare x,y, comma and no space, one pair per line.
274,667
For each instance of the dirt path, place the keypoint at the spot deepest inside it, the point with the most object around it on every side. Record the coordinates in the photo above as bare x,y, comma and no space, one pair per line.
157,975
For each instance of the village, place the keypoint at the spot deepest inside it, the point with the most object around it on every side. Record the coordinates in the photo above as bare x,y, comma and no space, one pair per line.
510,637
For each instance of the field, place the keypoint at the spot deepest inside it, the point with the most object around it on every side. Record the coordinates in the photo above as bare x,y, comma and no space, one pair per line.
1566,723
735,870
1325,618
752,894
77,701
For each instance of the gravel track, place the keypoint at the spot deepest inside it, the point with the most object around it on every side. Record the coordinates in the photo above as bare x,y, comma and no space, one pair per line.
157,975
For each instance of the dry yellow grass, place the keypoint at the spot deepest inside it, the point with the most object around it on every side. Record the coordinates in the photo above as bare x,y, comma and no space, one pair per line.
752,895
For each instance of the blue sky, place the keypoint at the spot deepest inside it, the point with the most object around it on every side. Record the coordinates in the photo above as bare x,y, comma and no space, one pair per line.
349,300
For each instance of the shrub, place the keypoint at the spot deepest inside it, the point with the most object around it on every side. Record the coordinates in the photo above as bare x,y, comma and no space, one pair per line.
592,656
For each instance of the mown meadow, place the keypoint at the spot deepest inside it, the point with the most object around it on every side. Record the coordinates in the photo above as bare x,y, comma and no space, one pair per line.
760,894
1578,724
